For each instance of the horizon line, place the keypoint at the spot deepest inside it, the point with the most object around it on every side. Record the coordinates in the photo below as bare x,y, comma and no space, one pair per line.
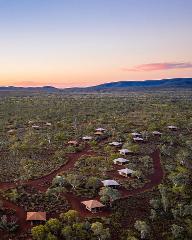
41,86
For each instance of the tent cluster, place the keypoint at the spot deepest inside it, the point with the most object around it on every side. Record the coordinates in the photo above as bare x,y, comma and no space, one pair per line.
98,131
94,205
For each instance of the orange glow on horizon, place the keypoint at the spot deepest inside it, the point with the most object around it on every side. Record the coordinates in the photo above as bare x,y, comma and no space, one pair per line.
83,80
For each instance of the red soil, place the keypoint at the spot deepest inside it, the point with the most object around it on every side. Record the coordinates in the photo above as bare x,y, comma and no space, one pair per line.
20,213
154,179
75,203
43,183
46,179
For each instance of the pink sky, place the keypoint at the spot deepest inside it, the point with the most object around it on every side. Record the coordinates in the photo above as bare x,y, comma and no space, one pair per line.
82,78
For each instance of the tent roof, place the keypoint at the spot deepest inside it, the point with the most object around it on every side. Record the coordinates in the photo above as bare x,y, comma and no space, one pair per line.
125,151
110,183
100,129
135,134
138,139
126,171
115,143
156,132
87,138
121,160
36,216
92,204
72,142
171,126
98,133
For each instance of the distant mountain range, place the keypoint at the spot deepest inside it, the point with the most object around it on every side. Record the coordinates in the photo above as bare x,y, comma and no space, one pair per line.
112,86
30,89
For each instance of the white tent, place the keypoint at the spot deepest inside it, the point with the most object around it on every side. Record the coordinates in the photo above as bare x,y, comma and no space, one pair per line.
138,139
108,183
172,127
135,134
100,129
125,151
116,144
120,161
125,172
87,138
156,133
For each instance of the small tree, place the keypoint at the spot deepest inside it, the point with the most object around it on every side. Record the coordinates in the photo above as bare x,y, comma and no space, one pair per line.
50,236
132,238
109,194
53,225
93,183
134,148
80,231
74,180
13,195
55,191
177,231
67,232
137,174
155,203
130,235
70,217
164,198
188,222
99,231
143,228
59,181
38,232
153,215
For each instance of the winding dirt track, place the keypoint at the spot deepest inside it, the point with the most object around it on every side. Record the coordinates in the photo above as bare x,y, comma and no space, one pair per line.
43,183
154,179
46,179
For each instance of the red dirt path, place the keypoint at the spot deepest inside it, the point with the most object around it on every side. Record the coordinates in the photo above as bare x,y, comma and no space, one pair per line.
43,183
73,157
154,179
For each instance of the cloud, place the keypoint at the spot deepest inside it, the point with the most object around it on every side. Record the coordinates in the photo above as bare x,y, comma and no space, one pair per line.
159,66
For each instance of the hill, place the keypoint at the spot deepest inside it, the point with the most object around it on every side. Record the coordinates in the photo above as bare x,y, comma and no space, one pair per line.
108,87
30,89
165,83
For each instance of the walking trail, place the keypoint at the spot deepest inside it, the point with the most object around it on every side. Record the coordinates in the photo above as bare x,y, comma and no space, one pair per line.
43,183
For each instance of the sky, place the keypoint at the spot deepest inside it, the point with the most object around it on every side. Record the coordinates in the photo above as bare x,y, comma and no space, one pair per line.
66,43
